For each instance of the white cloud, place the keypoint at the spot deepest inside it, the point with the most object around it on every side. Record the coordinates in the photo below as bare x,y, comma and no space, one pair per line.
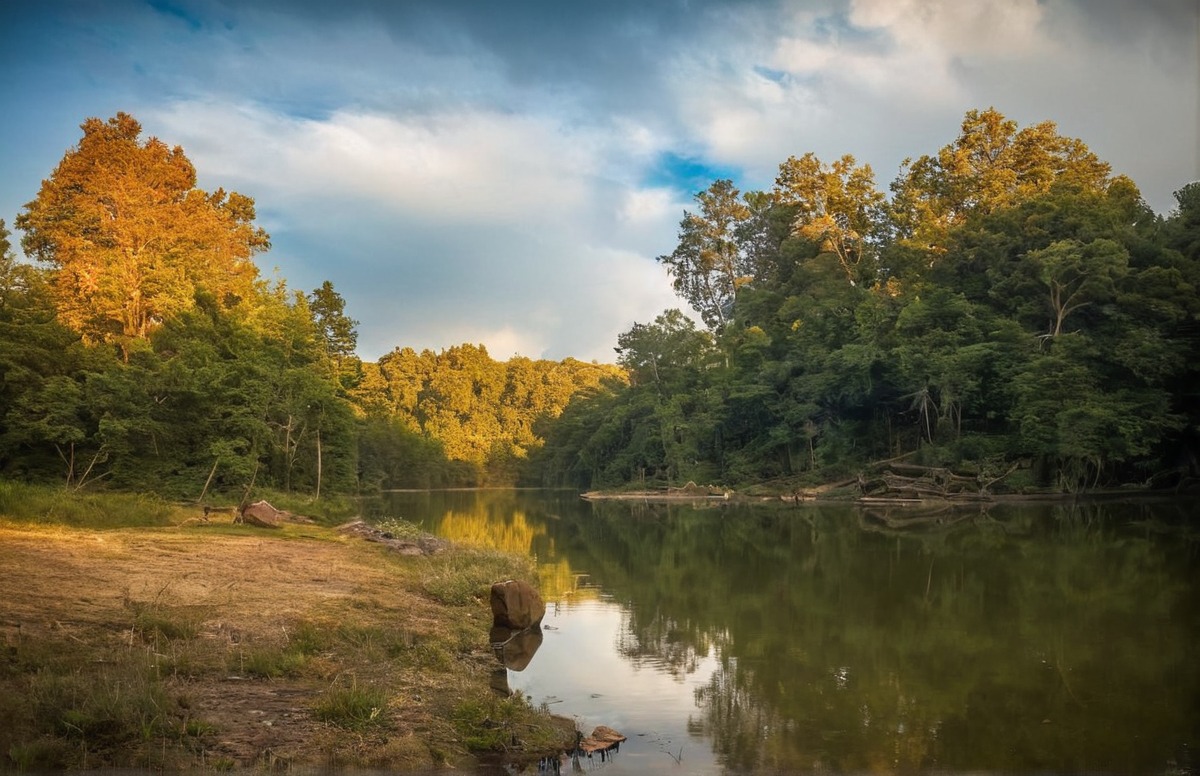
460,226
953,28
458,164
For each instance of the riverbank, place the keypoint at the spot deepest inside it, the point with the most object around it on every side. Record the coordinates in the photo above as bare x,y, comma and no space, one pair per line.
201,644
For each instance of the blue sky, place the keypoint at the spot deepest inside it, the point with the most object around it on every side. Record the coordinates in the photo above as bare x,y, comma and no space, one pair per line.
505,173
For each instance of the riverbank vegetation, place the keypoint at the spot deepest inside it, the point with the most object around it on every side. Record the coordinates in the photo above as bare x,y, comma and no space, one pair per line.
1010,313
206,645
1012,317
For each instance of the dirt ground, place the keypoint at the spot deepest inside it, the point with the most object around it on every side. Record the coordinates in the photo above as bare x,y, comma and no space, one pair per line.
245,593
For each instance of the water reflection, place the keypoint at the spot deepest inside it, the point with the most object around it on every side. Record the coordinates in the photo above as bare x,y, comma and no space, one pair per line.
1047,637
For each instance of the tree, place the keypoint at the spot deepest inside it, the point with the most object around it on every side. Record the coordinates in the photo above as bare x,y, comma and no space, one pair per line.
837,207
338,332
708,265
665,353
1075,275
991,166
6,255
131,239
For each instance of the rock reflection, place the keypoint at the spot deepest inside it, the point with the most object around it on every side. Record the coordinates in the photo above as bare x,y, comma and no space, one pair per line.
516,634
515,648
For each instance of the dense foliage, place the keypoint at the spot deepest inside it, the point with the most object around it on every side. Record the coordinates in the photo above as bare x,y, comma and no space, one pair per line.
1013,308
145,352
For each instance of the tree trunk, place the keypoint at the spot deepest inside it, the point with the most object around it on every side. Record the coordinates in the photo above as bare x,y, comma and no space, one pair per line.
318,496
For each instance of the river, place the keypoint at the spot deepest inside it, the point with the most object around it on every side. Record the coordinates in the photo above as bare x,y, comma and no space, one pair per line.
734,639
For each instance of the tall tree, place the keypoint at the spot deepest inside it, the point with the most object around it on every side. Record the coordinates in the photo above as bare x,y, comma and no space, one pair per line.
708,265
338,331
665,353
131,239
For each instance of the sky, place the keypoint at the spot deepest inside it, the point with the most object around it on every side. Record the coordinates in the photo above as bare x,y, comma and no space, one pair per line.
506,173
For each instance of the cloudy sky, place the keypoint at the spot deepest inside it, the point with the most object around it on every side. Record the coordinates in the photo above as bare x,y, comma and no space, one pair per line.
505,173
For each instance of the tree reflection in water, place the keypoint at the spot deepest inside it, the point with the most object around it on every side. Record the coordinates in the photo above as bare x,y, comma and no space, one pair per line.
1045,637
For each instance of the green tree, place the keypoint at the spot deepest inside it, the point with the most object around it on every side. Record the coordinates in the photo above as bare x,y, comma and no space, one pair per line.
664,354
991,166
1074,276
338,332
707,265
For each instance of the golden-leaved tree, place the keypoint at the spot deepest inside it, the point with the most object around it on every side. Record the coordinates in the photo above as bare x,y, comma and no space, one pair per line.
991,166
129,237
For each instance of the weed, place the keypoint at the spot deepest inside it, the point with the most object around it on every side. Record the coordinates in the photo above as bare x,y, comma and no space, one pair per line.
197,728
307,638
268,662
43,753
400,528
353,707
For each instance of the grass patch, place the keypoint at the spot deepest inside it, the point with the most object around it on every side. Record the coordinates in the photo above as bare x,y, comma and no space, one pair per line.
51,505
70,716
467,574
268,662
353,707
399,528
506,724
307,638
327,510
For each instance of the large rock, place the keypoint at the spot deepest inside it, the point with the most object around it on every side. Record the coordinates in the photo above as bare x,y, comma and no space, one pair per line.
261,514
516,605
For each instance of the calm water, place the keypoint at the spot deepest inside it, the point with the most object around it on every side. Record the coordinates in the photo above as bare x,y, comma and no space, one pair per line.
722,640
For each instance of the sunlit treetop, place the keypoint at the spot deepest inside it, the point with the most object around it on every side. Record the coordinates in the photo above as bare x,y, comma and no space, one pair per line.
129,237
990,166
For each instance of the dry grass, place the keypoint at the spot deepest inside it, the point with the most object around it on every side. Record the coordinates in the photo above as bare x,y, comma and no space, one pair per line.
231,647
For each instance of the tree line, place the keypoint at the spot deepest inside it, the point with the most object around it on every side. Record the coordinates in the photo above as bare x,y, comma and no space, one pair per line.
144,351
1010,310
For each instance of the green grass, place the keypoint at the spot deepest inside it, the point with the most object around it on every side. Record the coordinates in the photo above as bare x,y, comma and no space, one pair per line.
353,707
93,709
51,505
327,510
43,504
502,724
467,575
400,528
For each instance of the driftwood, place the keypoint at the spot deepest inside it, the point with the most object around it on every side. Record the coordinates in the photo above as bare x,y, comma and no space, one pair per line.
603,739
425,544
898,481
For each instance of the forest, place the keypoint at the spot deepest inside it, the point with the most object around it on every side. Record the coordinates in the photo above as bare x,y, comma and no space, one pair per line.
1010,313
1010,310
143,351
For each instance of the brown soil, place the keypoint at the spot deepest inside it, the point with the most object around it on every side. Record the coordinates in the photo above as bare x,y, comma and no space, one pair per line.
246,593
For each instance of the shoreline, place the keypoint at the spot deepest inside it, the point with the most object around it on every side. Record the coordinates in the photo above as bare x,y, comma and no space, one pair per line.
215,646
